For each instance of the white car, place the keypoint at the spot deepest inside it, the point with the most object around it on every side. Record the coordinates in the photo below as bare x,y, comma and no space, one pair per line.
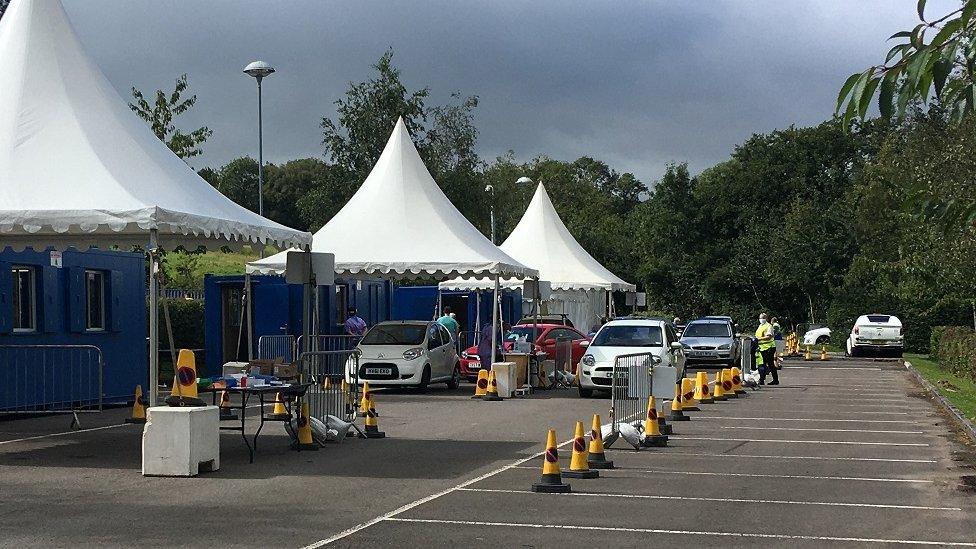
881,334
819,335
408,353
624,337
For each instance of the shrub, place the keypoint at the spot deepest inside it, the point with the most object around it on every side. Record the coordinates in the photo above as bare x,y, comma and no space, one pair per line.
957,351
187,319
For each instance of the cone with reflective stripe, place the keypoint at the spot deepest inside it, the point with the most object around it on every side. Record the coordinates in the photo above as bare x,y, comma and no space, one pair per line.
327,384
807,355
552,482
372,423
717,392
364,400
279,412
652,431
688,402
138,408
579,466
737,382
703,393
728,389
662,423
492,394
677,406
185,380
597,458
227,412
823,352
481,386
305,441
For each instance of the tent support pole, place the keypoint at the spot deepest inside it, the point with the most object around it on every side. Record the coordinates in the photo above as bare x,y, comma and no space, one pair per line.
248,289
440,304
494,322
477,316
307,312
153,318
536,298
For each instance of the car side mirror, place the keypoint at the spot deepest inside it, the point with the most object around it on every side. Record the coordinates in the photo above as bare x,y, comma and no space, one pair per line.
549,342
675,345
584,343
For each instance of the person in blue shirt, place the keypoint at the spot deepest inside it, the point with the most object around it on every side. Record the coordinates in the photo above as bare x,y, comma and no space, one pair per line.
354,325
447,320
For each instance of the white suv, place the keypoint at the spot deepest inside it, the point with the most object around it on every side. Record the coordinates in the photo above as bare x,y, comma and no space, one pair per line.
624,337
878,333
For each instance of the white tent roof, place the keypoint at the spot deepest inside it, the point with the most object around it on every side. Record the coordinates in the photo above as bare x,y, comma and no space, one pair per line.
78,168
400,224
542,240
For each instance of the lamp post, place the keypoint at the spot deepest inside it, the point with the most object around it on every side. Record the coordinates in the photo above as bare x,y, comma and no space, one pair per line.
259,70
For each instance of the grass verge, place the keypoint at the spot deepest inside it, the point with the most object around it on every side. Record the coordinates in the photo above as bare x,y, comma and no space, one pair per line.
961,392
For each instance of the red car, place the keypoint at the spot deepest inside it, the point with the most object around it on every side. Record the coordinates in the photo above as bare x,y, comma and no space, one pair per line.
548,336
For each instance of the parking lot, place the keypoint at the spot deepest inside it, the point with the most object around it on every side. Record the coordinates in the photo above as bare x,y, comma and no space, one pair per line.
845,452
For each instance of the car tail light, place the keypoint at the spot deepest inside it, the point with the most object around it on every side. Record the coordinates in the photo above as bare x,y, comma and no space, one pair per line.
857,330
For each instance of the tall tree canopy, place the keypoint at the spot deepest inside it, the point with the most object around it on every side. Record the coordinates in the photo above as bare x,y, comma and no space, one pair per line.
161,113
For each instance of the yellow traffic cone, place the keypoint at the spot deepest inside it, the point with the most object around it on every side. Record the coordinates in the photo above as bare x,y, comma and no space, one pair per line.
717,390
279,412
364,400
823,352
227,412
552,482
305,441
688,402
492,394
138,408
347,396
728,389
652,430
677,406
597,456
807,355
185,379
702,392
481,386
737,382
372,423
327,384
579,466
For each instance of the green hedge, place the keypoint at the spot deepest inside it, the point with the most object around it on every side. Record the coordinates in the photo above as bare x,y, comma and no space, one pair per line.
955,349
186,316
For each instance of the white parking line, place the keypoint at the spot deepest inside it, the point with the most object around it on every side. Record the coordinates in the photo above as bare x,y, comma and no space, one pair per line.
612,472
741,418
721,500
830,410
684,532
744,427
39,437
785,441
815,458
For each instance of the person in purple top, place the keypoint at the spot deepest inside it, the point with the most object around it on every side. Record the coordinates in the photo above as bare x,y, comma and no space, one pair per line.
355,326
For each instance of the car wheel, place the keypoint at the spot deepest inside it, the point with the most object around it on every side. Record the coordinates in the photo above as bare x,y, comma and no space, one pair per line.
585,393
424,379
455,380
854,351
823,340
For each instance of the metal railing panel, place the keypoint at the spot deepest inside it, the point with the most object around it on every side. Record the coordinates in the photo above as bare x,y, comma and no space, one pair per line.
326,370
51,378
630,387
273,347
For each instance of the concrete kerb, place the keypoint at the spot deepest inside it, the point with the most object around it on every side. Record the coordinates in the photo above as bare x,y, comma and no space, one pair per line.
961,420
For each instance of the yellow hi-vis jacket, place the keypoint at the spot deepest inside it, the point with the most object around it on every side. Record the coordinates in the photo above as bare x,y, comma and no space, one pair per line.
765,336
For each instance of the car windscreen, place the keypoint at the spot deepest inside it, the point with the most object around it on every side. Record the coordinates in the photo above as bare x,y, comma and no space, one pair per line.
880,319
629,336
519,332
395,334
707,329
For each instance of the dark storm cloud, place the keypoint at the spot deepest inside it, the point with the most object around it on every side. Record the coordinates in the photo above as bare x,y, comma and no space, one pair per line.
637,84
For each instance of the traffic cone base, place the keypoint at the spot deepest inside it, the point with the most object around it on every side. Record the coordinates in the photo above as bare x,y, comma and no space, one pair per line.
654,441
372,429
662,424
551,484
679,415
586,473
599,461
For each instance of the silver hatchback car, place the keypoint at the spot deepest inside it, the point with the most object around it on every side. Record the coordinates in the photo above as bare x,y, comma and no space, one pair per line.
711,341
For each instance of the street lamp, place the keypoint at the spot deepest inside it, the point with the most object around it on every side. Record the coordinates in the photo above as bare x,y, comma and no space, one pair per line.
259,70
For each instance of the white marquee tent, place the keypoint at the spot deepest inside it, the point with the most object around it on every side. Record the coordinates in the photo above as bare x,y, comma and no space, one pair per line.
79,169
581,286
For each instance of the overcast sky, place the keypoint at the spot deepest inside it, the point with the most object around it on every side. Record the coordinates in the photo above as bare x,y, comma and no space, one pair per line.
636,84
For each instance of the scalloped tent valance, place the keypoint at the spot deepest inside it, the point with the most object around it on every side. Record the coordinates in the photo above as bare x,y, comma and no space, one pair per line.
79,169
399,224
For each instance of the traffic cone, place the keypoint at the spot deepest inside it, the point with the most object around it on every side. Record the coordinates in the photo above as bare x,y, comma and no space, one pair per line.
677,407
347,396
305,441
807,355
373,424
702,392
652,431
481,386
364,400
597,457
579,466
327,384
728,389
279,412
492,394
737,382
185,379
227,412
823,352
138,408
662,424
717,390
688,402
552,482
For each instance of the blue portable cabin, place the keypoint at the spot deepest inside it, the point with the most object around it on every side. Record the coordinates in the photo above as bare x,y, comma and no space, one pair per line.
71,298
278,311
420,303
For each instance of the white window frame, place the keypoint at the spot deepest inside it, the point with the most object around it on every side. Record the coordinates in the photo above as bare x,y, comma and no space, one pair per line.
101,278
32,272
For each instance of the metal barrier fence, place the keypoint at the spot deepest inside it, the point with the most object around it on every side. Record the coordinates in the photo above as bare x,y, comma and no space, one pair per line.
272,347
51,378
466,339
326,343
630,387
326,370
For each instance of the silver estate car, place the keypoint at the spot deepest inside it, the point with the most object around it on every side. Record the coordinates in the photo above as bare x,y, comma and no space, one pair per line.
711,341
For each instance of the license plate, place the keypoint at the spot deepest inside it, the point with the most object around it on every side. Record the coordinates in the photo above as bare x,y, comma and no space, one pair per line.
379,371
703,353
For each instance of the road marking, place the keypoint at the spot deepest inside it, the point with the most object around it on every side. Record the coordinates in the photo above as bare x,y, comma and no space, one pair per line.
50,435
738,418
684,532
786,441
858,368
739,427
865,412
751,475
722,500
821,458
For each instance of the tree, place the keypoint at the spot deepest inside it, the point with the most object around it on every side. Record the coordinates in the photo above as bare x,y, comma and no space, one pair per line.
160,117
3,7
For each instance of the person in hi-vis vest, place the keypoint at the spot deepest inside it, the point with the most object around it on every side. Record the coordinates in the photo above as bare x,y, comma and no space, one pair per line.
767,348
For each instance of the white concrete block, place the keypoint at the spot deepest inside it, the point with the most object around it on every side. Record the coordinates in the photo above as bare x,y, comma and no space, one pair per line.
180,442
505,378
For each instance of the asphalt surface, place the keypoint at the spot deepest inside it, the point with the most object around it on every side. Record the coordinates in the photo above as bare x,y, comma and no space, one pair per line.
843,453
